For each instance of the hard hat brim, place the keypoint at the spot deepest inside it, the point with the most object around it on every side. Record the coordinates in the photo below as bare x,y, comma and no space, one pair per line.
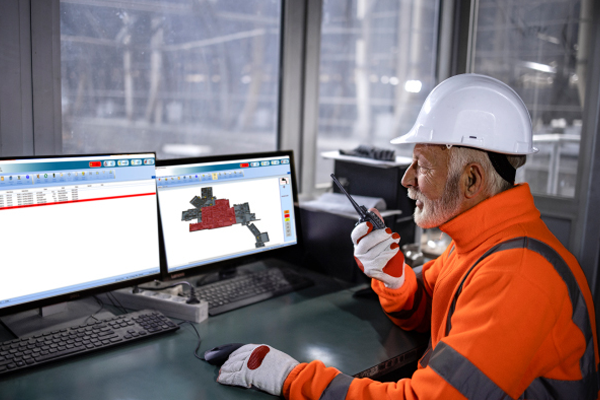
413,138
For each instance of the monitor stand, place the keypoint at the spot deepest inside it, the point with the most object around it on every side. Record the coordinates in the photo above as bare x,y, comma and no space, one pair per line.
56,317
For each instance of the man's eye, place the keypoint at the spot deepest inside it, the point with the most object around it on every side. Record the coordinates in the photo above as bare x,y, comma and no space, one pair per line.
419,168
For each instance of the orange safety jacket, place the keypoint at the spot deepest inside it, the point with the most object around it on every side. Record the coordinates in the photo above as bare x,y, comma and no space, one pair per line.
510,312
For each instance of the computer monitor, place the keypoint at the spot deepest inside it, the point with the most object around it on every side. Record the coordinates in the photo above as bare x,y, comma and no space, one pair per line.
72,226
225,210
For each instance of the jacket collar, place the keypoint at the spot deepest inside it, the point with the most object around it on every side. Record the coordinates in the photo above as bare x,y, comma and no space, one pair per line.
476,225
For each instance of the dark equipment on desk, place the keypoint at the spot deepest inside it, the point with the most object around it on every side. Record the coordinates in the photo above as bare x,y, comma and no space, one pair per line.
252,287
30,351
218,355
329,252
365,215
372,152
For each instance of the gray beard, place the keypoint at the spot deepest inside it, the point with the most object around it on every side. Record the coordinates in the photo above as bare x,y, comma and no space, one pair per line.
437,212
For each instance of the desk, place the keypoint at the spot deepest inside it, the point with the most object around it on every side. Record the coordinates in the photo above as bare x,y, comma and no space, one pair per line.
322,322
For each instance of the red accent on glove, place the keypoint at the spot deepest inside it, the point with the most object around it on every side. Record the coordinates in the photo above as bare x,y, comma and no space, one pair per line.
395,267
257,356
362,268
370,226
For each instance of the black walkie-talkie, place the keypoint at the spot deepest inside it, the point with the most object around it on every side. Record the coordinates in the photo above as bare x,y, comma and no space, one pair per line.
365,215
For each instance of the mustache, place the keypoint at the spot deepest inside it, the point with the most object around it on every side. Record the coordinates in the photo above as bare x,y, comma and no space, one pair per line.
414,194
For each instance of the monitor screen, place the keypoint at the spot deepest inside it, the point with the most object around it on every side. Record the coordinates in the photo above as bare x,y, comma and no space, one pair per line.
72,225
224,208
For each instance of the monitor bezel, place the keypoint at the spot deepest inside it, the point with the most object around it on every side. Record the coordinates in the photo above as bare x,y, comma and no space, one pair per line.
79,294
279,253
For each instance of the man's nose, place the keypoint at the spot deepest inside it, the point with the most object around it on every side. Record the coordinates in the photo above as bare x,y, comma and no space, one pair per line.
410,178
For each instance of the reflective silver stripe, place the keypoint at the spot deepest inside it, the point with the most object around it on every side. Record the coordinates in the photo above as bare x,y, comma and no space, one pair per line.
542,388
465,377
453,367
553,389
580,312
337,388
509,244
588,386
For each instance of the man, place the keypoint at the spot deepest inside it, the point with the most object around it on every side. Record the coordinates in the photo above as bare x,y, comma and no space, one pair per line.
508,307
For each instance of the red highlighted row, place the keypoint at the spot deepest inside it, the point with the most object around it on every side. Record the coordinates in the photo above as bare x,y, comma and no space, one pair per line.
77,201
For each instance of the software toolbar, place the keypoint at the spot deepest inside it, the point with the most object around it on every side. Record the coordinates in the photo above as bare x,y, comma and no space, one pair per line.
55,177
217,172
186,179
50,172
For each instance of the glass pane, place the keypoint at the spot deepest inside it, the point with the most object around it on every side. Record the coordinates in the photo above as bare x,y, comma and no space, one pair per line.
378,62
535,46
179,77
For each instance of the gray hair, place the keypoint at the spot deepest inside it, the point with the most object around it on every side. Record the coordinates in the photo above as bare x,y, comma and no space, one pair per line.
494,183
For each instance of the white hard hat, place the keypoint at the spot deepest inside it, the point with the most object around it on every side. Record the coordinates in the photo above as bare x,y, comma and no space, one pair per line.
474,111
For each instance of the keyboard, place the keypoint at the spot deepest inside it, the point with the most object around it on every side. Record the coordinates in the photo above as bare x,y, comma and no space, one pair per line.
38,349
250,288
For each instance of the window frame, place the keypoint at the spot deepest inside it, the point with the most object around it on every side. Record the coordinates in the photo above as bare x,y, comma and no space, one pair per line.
46,74
575,214
30,104
16,97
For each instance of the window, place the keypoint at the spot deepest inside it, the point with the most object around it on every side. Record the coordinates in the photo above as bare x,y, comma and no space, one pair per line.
377,66
181,78
539,49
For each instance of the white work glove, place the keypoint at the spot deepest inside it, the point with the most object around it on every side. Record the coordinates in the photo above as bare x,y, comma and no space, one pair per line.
257,365
378,255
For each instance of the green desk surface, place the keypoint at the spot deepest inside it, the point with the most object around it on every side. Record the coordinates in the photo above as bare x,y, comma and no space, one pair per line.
322,322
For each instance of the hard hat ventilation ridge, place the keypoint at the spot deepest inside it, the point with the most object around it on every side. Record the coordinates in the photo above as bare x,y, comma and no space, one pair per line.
502,166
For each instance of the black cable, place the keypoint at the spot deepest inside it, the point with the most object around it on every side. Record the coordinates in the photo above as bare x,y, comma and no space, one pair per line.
100,309
114,299
192,296
199,340
125,311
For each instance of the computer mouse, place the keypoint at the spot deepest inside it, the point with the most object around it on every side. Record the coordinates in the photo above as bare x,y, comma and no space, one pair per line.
218,355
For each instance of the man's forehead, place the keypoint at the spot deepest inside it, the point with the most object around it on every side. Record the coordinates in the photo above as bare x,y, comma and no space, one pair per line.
430,152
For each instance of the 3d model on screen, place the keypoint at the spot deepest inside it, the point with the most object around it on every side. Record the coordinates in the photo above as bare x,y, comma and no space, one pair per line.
216,213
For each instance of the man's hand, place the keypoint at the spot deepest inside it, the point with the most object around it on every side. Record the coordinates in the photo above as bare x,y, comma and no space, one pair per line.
378,255
257,365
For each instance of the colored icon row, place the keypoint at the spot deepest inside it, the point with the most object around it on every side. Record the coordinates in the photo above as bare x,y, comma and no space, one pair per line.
63,176
192,178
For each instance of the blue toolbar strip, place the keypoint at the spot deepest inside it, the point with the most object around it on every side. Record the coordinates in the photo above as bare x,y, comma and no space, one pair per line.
100,162
17,174
175,170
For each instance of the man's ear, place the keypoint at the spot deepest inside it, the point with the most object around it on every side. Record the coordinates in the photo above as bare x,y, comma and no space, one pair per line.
474,180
